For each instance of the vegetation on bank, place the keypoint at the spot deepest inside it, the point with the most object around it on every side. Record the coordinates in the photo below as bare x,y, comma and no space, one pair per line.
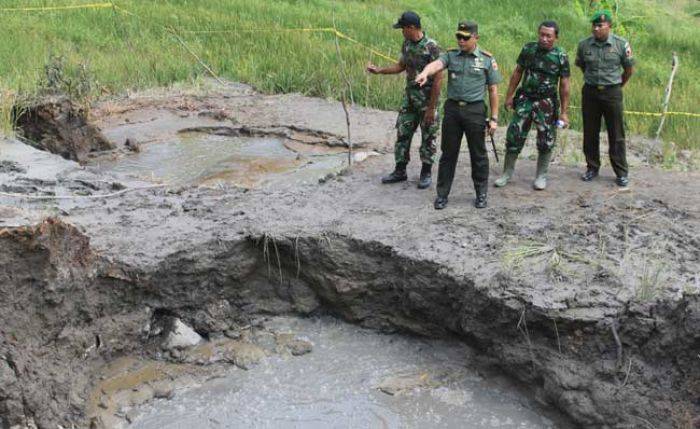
94,52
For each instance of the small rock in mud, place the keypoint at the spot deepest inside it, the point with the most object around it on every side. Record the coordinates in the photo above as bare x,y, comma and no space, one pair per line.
295,345
245,355
181,336
163,392
266,340
132,145
240,353
403,383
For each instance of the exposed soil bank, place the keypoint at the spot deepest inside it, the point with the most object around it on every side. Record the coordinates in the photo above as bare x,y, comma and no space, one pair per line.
588,295
58,126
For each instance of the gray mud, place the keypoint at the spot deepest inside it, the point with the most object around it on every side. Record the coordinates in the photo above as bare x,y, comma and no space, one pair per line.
587,295
353,378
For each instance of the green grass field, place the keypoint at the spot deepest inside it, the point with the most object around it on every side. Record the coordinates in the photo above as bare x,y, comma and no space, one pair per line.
103,51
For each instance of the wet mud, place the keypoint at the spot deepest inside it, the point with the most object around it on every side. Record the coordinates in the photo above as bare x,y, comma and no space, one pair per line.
586,295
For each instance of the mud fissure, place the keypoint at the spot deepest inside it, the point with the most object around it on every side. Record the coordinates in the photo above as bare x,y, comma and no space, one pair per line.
73,311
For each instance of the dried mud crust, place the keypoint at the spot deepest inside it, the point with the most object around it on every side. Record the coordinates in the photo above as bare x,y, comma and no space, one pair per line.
587,294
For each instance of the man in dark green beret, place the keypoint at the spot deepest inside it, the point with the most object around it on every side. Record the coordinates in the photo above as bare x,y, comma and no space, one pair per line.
607,64
470,71
419,106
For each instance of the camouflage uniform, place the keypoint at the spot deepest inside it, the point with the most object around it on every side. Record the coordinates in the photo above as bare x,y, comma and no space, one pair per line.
415,56
536,99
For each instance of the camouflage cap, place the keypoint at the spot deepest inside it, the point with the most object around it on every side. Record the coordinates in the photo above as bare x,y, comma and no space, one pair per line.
602,16
467,29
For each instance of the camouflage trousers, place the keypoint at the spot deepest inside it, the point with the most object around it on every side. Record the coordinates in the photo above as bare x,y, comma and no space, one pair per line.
542,112
415,102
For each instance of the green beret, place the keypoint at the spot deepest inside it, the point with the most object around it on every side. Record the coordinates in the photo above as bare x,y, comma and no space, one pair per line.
602,16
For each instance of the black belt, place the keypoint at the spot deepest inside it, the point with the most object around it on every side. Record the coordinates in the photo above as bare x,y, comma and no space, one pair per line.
465,103
603,87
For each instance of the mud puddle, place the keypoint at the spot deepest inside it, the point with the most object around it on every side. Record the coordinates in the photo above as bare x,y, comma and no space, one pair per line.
209,160
352,378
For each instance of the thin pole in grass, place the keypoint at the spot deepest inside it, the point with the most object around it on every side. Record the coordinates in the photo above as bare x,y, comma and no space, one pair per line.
121,28
367,81
344,75
177,37
667,94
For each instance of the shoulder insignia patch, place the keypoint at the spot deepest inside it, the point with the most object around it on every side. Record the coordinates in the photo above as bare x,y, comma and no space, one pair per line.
487,53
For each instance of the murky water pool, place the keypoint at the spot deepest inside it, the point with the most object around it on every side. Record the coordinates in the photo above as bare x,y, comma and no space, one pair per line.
341,384
208,159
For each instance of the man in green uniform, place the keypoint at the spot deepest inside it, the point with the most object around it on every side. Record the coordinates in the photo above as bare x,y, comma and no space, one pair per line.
470,71
545,67
601,57
419,106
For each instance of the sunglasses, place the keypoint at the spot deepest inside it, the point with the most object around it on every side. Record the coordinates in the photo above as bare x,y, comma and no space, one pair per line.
460,37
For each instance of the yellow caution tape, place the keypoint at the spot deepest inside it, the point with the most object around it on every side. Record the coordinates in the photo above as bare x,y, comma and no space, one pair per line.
255,30
657,114
692,115
53,8
303,30
372,50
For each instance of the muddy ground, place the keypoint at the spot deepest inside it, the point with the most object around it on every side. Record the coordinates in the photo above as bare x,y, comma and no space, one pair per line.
585,293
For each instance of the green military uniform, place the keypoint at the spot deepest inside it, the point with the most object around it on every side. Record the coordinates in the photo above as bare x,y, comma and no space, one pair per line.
536,99
465,114
414,57
602,63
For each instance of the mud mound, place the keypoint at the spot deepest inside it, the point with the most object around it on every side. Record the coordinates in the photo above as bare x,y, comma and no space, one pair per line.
57,126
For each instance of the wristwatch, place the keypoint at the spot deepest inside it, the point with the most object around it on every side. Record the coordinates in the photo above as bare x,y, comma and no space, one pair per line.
493,119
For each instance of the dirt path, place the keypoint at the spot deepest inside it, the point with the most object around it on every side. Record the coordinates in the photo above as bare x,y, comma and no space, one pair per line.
587,293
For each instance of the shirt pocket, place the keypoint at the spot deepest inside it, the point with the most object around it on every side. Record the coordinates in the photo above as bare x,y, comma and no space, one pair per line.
611,60
455,70
477,70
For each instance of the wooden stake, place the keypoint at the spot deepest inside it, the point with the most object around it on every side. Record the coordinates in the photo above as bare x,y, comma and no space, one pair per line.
344,75
667,94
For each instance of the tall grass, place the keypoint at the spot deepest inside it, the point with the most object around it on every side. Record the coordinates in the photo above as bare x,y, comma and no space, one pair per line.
130,52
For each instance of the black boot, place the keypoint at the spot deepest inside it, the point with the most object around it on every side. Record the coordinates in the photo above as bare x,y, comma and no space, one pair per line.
425,176
398,175
480,202
440,203
589,175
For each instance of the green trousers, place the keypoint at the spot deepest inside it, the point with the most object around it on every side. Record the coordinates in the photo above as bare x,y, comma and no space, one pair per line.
597,103
463,119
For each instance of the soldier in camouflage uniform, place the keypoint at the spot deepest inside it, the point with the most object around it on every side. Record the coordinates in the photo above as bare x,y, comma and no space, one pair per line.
419,106
544,67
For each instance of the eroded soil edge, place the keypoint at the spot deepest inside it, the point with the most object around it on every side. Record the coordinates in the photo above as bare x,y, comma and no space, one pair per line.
67,311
